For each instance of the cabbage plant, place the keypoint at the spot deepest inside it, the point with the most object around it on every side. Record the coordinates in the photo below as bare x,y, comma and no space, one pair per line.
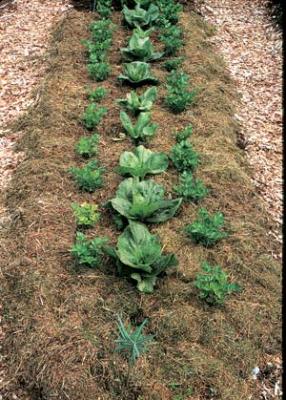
141,162
140,49
143,127
136,103
137,73
139,16
138,254
144,201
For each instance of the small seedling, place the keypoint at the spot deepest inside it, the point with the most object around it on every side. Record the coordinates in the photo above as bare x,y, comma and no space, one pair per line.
191,189
184,157
88,252
104,8
178,95
101,30
88,178
97,95
132,343
213,284
207,229
86,215
171,37
87,146
93,116
173,64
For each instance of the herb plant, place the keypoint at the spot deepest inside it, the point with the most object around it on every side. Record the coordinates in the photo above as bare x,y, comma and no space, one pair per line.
213,284
191,189
207,229
184,134
97,95
142,129
184,157
93,116
136,103
139,255
178,95
141,162
89,177
86,215
172,38
144,201
169,11
173,64
132,343
99,71
137,73
88,252
87,146
101,30
104,8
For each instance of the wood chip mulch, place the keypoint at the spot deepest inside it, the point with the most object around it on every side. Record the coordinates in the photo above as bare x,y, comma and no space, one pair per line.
252,48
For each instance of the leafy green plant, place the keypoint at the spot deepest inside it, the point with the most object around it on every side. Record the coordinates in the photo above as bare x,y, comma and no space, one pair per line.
207,229
139,16
141,162
143,128
89,177
99,71
93,116
184,134
173,64
144,201
104,8
169,11
88,252
97,95
97,51
191,189
143,33
132,343
86,215
87,146
140,49
136,103
101,30
178,97
172,38
139,255
137,73
213,284
184,157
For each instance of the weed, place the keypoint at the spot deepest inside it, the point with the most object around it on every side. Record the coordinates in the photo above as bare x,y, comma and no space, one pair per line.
207,229
87,146
86,215
184,157
213,284
89,177
88,252
93,116
191,189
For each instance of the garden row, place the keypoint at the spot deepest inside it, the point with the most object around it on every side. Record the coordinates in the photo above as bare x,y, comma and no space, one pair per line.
139,201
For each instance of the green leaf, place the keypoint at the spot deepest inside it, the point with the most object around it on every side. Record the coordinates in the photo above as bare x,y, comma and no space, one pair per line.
136,104
140,49
137,73
139,17
143,127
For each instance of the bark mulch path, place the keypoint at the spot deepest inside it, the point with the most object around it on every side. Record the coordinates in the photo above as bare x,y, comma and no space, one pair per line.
252,48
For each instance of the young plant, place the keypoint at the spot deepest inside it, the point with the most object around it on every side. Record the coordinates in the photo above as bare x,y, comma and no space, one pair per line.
101,30
89,177
136,103
172,38
207,229
87,146
104,8
97,51
173,64
141,162
144,201
88,252
97,95
142,130
137,73
93,116
99,71
169,11
132,343
179,97
213,284
139,17
86,215
140,49
191,189
139,255
184,134
184,157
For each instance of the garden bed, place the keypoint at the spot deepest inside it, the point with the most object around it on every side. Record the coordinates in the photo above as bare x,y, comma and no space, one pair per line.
60,319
